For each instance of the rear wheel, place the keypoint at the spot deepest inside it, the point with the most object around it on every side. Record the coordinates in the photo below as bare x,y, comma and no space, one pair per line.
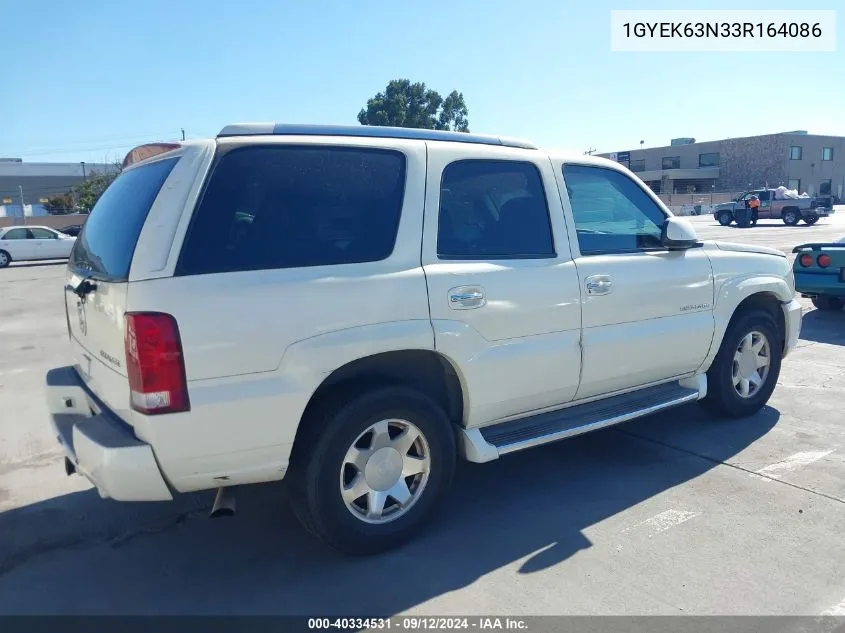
725,218
828,304
370,469
745,371
5,259
791,217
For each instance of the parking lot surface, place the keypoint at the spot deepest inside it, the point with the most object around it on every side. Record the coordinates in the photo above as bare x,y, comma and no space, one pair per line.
678,513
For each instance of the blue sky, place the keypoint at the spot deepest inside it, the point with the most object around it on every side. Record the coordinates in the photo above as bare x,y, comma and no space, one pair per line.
89,79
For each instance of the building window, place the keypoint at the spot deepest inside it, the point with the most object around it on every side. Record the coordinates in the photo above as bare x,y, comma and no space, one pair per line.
824,187
795,152
710,159
638,165
794,183
827,153
671,162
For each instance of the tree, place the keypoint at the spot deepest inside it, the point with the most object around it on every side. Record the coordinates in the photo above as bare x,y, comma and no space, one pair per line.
403,104
89,190
60,205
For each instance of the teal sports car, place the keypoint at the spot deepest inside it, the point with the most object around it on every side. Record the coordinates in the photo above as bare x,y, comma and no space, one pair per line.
820,273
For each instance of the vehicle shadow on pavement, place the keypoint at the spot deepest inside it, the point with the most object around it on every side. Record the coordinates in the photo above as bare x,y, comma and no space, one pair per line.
823,327
80,554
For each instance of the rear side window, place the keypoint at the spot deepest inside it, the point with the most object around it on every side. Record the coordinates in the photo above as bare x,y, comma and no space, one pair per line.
268,207
493,209
107,244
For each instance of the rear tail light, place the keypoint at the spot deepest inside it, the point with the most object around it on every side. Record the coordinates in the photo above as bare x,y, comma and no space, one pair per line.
155,364
806,260
824,261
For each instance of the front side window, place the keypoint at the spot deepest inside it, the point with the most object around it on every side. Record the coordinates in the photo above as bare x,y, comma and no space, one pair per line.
795,152
671,162
612,213
16,234
292,206
493,209
42,234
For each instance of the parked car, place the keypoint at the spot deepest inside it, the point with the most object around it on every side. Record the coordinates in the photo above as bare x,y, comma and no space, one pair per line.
25,243
820,273
391,301
73,229
791,211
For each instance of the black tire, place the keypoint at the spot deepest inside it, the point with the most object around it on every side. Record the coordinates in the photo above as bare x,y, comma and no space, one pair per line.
791,217
722,397
810,219
314,477
828,304
754,218
725,218
5,259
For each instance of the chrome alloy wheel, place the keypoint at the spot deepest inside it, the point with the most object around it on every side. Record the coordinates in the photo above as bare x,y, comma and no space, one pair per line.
385,471
751,364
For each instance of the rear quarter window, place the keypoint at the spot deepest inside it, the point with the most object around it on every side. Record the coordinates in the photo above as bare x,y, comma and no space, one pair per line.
105,248
291,206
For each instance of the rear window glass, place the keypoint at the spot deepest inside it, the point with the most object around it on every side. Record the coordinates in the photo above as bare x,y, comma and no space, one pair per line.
293,206
108,241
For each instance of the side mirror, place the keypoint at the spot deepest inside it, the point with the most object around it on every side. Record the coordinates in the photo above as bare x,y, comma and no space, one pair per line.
678,234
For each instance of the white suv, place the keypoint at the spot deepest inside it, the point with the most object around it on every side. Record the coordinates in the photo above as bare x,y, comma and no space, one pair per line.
354,308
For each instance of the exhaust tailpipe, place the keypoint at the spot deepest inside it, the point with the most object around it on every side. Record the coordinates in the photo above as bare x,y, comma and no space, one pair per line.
224,504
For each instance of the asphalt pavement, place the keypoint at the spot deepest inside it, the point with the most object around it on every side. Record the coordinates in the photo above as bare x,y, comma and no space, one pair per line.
677,513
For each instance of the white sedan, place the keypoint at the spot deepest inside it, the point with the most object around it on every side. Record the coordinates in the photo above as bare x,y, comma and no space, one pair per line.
24,243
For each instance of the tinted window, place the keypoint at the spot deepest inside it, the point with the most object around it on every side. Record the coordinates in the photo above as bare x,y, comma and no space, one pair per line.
42,234
671,162
292,206
16,234
709,159
493,210
612,213
638,165
107,244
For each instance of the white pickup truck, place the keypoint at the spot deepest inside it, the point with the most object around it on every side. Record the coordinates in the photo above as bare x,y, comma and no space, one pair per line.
355,308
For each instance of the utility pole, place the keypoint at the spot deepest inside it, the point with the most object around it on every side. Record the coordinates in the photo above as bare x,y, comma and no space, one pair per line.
183,134
83,170
23,208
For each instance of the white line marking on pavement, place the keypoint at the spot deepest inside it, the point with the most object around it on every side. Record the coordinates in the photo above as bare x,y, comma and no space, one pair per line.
665,520
793,462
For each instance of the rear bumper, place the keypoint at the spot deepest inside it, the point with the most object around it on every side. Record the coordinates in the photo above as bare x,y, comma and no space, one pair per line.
100,445
792,319
819,284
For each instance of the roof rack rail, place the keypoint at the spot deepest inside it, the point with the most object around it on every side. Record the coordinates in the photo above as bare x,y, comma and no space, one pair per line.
369,131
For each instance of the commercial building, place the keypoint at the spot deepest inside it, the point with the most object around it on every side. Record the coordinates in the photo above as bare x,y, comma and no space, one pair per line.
807,162
38,182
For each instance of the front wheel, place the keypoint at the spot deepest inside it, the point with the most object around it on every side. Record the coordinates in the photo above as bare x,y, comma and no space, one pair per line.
828,304
371,468
810,219
5,259
745,371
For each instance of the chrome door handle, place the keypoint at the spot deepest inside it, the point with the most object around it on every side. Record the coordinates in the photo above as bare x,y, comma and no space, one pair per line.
599,285
466,297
